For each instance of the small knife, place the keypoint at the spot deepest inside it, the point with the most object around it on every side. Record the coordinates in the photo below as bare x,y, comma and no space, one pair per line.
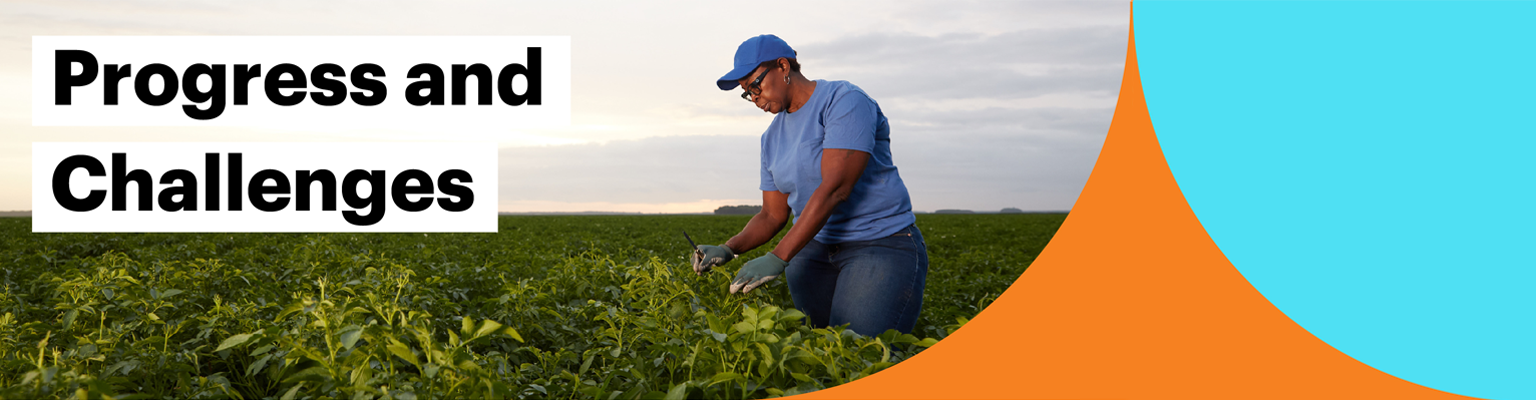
690,241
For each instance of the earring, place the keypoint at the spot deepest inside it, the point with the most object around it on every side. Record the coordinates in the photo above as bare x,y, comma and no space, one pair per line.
786,79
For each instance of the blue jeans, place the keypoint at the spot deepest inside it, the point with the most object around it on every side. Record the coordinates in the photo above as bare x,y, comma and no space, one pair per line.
871,285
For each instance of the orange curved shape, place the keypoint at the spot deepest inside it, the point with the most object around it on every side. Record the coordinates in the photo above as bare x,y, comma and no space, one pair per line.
1131,299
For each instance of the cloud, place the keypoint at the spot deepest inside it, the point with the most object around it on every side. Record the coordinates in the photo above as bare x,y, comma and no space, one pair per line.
986,16
991,170
1067,46
1006,121
1017,64
674,169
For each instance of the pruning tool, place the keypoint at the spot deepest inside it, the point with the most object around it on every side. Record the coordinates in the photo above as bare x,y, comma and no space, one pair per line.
693,245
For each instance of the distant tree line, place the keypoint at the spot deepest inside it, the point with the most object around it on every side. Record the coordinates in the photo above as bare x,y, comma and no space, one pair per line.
738,210
750,210
1009,210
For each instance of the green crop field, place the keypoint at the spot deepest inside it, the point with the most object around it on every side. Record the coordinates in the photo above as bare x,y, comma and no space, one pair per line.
551,307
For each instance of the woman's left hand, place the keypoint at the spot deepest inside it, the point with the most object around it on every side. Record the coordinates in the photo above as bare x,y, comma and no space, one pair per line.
757,272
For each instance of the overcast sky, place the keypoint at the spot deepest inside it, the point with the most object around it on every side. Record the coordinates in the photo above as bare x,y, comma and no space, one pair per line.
991,104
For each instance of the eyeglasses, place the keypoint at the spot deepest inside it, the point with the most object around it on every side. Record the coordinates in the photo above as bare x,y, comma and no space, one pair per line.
755,86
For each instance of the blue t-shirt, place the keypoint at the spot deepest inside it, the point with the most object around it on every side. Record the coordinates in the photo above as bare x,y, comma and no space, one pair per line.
838,115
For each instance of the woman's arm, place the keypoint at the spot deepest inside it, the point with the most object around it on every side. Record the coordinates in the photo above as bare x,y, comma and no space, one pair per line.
840,170
764,225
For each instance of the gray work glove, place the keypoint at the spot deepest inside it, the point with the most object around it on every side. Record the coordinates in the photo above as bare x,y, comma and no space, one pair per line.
757,272
706,257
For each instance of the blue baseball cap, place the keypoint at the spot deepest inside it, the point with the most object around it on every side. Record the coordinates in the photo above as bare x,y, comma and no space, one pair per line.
752,52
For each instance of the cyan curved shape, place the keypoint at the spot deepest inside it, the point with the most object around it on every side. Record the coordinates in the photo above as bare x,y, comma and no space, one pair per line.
1370,167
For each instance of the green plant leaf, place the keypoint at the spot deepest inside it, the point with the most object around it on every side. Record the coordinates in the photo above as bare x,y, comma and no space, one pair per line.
315,373
261,350
69,318
486,327
290,309
400,350
927,342
232,341
513,333
678,392
349,336
723,377
361,375
258,365
716,324
292,392
584,365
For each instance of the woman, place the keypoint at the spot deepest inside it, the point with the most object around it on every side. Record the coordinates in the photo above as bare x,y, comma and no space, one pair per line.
854,255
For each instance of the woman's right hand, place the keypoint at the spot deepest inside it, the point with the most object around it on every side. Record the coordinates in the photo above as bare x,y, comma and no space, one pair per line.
707,257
